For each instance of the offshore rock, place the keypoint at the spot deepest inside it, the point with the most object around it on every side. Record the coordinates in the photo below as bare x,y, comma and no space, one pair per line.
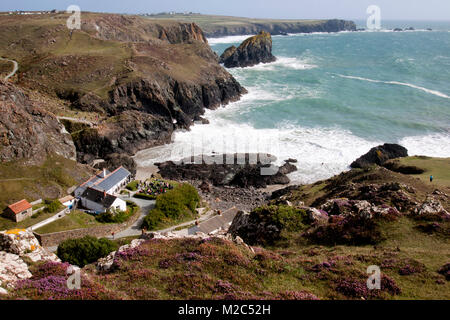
254,50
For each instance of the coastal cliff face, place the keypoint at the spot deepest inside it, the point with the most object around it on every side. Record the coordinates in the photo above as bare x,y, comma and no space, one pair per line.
279,28
254,50
140,79
27,131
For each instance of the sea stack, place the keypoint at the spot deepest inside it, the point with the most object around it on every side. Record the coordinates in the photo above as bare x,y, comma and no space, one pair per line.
254,50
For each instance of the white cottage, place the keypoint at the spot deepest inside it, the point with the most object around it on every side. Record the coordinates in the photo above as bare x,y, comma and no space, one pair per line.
99,201
110,182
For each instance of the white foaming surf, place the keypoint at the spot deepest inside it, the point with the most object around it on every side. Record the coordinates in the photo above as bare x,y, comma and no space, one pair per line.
229,39
433,92
321,152
284,63
432,145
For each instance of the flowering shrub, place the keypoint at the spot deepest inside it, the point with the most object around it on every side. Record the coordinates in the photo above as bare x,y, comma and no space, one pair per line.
349,230
445,271
355,288
54,287
297,295
50,268
388,284
352,288
224,287
132,254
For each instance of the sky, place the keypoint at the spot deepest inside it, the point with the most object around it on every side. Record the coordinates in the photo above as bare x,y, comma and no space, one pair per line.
276,9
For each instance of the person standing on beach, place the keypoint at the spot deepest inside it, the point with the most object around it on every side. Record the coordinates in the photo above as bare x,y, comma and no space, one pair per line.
431,178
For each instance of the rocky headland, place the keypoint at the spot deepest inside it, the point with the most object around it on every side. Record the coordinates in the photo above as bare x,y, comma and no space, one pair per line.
136,79
221,26
254,50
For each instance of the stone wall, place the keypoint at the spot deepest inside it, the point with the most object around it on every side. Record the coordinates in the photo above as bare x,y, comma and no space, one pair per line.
54,239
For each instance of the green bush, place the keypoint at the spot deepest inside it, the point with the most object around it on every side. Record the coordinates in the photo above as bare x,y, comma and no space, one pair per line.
133,185
173,205
144,196
81,252
284,217
53,206
118,217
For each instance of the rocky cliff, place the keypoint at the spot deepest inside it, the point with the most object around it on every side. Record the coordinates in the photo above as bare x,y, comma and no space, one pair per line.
29,132
282,27
254,50
140,79
220,26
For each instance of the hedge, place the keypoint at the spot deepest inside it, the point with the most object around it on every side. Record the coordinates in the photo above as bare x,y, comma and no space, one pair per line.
173,205
81,252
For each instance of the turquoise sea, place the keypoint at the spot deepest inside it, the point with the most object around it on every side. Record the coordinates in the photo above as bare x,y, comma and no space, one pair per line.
331,97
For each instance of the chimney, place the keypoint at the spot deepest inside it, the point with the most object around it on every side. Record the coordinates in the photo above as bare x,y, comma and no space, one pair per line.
104,194
104,172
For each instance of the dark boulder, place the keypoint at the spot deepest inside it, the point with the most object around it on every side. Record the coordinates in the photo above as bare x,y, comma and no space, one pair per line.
255,170
379,155
254,50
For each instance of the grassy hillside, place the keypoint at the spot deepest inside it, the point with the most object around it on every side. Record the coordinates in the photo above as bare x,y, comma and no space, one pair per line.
211,23
410,250
108,50
49,180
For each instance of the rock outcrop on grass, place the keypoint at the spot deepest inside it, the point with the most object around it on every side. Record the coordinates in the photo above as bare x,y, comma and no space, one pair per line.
16,246
379,155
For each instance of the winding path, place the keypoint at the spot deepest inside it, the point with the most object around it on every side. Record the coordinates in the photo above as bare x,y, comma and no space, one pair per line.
87,122
16,67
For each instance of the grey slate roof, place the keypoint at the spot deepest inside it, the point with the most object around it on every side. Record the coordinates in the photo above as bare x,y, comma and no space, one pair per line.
93,180
112,179
99,197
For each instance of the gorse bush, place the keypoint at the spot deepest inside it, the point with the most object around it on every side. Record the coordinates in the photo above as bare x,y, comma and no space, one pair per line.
133,185
172,206
144,196
53,206
284,217
269,224
81,252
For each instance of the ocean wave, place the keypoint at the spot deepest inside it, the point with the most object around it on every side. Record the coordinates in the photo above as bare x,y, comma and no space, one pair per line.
432,145
433,92
285,63
229,39
321,152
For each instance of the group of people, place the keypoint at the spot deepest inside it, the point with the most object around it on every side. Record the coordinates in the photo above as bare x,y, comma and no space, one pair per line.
155,187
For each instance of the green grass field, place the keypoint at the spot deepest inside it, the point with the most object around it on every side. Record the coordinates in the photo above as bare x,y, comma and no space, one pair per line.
50,180
74,220
439,168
